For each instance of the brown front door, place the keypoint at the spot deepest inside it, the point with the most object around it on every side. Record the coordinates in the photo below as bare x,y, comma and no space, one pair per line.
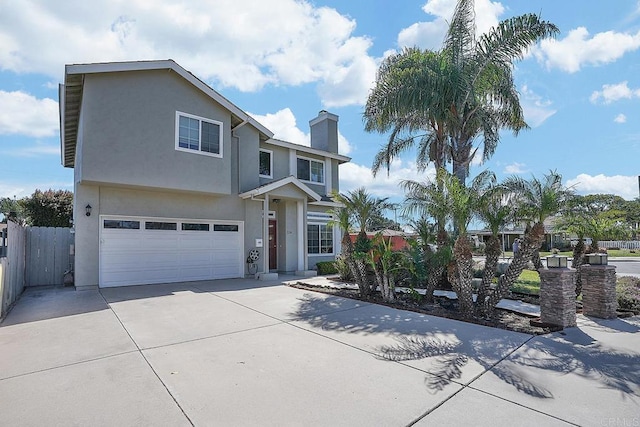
273,245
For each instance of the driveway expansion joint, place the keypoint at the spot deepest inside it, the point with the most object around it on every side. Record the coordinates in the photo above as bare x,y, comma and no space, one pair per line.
148,363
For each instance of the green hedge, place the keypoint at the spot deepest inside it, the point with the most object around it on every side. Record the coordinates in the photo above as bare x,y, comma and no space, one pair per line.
326,267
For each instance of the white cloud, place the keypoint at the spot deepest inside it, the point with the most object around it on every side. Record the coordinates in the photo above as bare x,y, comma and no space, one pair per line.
24,114
614,92
623,186
430,34
284,126
353,175
577,49
245,44
13,190
536,109
620,118
516,168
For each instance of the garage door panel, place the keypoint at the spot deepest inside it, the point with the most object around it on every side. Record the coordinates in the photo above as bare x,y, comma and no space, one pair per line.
190,274
141,256
141,277
194,245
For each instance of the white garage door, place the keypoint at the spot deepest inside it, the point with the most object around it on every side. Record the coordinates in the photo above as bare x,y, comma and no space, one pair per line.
136,251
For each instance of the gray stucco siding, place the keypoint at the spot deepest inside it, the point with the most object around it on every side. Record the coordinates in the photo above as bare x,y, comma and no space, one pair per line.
335,177
248,158
129,133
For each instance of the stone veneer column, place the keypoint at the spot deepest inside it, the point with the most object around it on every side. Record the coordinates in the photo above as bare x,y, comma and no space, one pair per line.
599,291
558,296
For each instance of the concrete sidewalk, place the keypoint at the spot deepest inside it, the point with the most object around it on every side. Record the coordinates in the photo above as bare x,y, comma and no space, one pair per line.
242,352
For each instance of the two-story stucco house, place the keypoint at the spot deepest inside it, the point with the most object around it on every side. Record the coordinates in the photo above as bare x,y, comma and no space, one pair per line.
173,182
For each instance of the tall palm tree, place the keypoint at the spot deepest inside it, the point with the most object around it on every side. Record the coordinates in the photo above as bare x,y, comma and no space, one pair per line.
446,99
533,201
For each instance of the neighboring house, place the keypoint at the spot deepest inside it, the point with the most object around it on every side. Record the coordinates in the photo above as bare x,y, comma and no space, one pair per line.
397,238
552,238
174,183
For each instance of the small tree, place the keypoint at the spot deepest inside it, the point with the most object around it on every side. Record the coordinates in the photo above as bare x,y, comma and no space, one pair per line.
12,209
429,200
49,208
533,201
494,210
358,207
385,263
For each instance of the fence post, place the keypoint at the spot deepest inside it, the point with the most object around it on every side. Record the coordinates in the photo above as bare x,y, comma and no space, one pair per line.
558,296
599,291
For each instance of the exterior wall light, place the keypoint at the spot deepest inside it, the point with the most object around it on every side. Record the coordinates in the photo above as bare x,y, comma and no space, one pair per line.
598,259
87,210
557,261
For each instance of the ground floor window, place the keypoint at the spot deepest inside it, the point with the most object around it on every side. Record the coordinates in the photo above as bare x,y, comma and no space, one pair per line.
319,239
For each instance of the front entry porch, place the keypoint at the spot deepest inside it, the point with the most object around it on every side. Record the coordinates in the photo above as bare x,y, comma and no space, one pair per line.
284,216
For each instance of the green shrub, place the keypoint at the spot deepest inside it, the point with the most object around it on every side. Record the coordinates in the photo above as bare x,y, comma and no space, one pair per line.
628,291
326,267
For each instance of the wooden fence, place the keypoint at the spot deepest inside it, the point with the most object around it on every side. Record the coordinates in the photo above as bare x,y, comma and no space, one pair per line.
12,267
47,255
34,256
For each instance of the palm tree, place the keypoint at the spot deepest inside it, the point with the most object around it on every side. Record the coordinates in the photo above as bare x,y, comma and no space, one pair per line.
533,202
449,198
428,200
494,211
446,99
358,207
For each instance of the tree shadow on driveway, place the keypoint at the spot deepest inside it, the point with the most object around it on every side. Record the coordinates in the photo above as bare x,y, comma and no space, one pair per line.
451,350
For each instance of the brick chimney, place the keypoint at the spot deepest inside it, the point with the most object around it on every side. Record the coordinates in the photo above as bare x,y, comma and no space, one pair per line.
324,132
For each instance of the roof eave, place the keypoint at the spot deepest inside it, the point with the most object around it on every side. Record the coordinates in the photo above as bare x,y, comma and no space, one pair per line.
264,189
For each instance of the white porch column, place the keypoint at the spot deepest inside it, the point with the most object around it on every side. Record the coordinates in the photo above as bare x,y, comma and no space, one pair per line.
265,234
337,240
302,252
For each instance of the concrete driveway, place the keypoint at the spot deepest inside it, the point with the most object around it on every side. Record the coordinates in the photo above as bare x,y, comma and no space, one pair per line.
242,352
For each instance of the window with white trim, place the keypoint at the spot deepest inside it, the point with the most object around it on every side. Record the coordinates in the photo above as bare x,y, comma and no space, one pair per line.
310,170
266,163
319,234
197,134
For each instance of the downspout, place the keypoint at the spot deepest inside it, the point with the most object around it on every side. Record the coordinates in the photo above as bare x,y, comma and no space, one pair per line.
237,150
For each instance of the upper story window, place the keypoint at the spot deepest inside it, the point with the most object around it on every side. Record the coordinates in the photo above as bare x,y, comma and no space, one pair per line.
198,134
266,163
310,170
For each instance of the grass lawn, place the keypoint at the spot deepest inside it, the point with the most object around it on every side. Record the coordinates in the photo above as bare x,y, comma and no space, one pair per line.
528,283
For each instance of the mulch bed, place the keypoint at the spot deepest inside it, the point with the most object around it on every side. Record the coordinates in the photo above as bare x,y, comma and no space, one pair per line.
444,307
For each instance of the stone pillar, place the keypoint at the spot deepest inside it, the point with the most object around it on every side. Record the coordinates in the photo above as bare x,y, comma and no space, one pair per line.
599,291
558,296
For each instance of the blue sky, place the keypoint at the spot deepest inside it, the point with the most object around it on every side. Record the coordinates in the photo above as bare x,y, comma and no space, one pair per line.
284,60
